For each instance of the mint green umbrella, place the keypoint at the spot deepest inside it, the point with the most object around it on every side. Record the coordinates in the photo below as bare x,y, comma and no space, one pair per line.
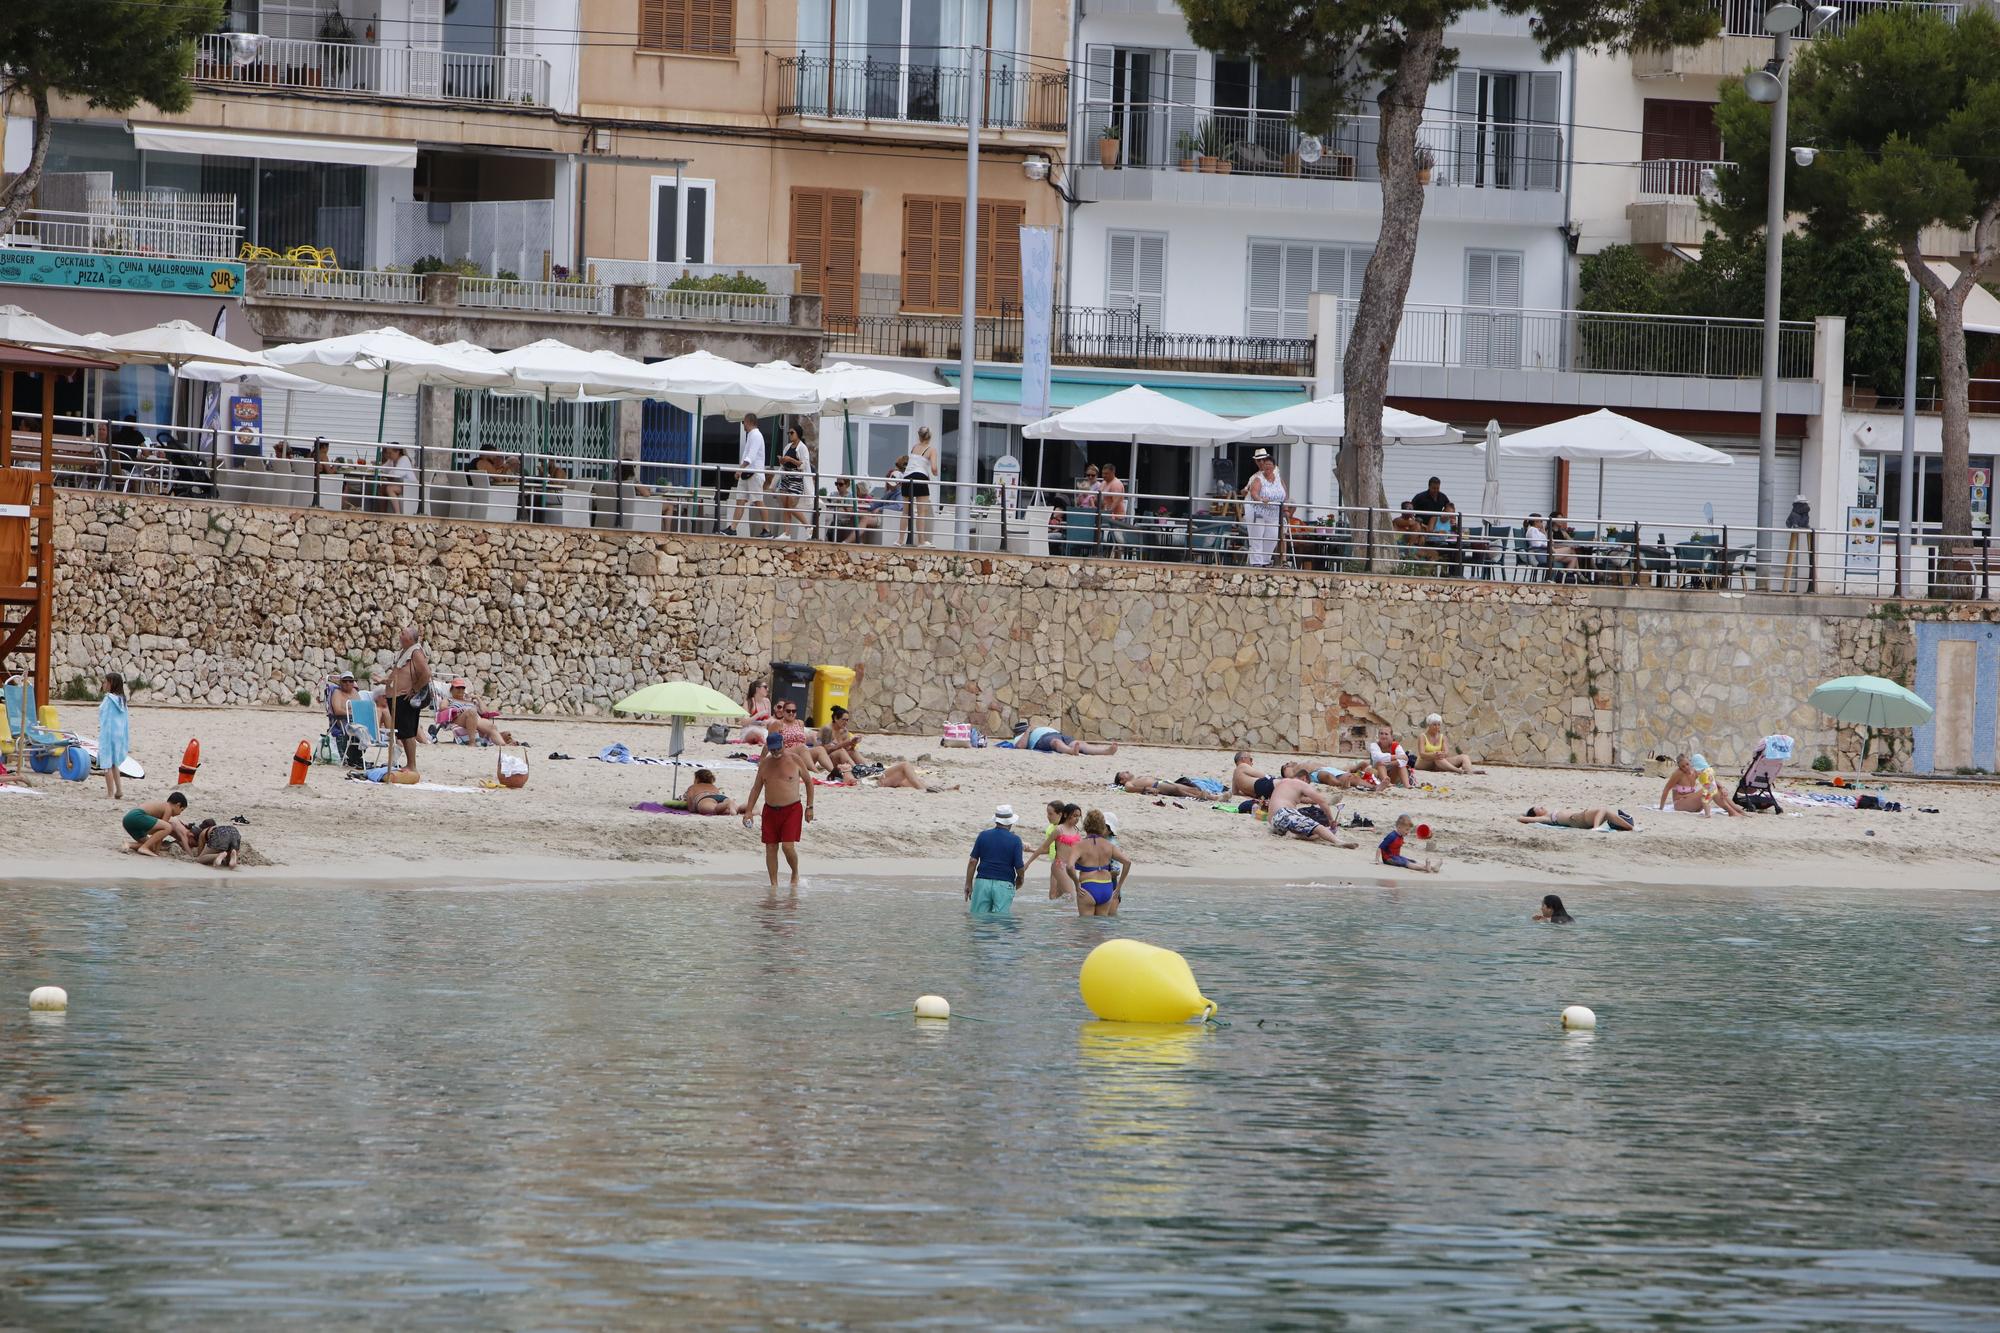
1870,701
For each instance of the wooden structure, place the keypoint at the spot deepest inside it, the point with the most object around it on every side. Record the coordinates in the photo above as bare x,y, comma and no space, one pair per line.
27,510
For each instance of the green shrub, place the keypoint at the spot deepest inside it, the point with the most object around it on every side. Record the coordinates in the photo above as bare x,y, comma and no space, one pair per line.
1823,765
737,284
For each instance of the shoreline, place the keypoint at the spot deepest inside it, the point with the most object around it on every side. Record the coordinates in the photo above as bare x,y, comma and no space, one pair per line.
574,823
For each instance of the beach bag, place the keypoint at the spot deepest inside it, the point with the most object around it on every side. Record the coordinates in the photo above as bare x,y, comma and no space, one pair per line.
957,736
717,734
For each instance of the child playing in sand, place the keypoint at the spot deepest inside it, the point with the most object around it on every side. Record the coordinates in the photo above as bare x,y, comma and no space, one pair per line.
1390,851
150,825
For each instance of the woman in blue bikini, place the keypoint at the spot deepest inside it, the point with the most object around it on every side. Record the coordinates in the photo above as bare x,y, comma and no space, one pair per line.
1098,867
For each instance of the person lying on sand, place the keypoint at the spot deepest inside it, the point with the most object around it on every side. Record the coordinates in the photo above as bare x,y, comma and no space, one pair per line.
1583,819
1292,803
149,826
903,773
1360,774
703,797
1144,786
218,845
1390,850
1244,776
1050,741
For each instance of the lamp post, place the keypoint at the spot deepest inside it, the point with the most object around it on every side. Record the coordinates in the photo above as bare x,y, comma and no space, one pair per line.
967,471
1772,85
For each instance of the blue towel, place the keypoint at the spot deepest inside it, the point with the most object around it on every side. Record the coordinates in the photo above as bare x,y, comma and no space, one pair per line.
1209,786
114,732
616,753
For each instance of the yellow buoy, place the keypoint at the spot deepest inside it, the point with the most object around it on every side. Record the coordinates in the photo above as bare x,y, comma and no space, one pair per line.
933,1006
1124,981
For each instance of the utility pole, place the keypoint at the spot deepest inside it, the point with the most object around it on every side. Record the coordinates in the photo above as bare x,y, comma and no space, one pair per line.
968,288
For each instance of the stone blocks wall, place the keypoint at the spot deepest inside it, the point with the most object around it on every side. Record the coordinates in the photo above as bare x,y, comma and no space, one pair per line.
233,604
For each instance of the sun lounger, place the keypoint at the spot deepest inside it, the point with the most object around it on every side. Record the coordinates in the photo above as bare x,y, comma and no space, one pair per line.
1754,790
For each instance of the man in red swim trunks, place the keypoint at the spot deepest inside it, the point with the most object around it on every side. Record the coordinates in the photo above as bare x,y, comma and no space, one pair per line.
788,805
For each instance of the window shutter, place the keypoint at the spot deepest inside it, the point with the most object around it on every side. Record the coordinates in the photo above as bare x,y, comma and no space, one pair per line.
808,248
721,27
1099,68
1183,98
1264,312
1297,289
999,256
674,27
1544,138
948,259
920,246
1463,168
1479,295
652,25
1507,279
1150,290
1121,261
843,258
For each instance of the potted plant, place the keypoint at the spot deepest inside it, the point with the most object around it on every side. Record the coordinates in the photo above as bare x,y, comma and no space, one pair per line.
1107,144
1184,145
1425,161
1208,144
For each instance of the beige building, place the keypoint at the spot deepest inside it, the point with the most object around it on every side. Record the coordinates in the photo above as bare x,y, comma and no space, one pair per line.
829,134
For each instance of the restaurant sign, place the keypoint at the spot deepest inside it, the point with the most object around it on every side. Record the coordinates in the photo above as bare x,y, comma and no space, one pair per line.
130,273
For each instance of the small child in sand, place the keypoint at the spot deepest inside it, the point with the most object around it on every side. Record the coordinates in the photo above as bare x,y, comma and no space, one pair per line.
1390,850
150,825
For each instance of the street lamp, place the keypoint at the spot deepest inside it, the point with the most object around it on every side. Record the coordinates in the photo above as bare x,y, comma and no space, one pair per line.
1772,85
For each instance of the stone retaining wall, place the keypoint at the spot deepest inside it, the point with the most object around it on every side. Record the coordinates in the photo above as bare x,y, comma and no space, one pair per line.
236,604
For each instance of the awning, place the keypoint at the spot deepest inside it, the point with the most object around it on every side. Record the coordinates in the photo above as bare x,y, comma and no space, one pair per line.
1225,399
274,147
1982,309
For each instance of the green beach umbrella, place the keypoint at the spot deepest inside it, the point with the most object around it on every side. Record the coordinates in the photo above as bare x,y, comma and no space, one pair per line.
1870,701
679,700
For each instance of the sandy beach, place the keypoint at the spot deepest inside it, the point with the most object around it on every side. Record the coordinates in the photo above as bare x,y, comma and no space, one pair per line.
574,820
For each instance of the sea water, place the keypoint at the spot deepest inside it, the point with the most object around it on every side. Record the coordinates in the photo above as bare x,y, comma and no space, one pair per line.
695,1105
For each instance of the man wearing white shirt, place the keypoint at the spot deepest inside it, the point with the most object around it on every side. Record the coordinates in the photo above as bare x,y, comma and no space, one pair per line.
399,479
749,476
1390,759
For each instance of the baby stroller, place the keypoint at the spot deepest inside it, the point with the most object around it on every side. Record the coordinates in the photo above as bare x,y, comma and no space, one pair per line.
1754,790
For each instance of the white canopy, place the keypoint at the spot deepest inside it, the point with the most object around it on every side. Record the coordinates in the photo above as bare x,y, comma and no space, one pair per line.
705,382
24,329
1982,308
175,343
553,368
1605,437
258,377
388,360
1324,421
1137,414
846,387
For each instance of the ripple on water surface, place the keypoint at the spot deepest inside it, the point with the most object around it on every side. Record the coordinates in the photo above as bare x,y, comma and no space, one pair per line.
584,1107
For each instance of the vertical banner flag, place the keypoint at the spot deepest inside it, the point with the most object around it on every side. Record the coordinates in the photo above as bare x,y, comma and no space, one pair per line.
211,408
1038,292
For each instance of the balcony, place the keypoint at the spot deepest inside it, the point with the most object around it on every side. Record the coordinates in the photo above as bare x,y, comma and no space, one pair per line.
1081,336
1668,209
1477,170
160,227
347,68
1743,41
825,88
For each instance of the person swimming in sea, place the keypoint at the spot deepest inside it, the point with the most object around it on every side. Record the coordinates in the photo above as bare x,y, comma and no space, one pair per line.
1552,911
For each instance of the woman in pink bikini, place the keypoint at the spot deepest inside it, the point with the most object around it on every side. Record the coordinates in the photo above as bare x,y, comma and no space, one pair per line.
1064,830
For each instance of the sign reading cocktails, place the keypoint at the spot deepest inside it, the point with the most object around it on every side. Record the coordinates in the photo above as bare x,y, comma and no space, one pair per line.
131,273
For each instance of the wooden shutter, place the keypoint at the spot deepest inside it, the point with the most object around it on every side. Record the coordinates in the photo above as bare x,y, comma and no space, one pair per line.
1674,129
920,279
999,289
826,245
934,254
653,25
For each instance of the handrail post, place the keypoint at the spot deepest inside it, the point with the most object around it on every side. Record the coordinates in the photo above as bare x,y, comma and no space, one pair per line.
1812,560
1725,558
1986,563
1368,551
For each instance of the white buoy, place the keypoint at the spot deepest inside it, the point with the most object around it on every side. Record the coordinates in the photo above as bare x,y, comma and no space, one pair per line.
48,997
932,1006
1579,1018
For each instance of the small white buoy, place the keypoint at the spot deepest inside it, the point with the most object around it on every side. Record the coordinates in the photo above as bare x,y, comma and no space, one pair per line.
1579,1018
932,1006
48,997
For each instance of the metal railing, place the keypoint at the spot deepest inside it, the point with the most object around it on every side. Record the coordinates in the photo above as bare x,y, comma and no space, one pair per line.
1982,395
1745,18
1496,337
480,479
345,284
718,307
1674,177
921,92
129,232
779,279
382,71
1461,152
1080,336
568,298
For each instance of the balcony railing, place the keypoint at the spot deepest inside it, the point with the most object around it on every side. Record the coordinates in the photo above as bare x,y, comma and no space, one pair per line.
1745,18
1499,338
379,71
162,232
567,298
345,284
719,307
932,93
1460,152
779,279
1674,177
1080,336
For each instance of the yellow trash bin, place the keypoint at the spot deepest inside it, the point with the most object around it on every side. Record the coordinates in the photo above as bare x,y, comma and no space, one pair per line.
830,689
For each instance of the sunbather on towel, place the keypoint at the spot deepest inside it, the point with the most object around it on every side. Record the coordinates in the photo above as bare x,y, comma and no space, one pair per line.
903,773
1144,786
703,797
462,713
1361,774
1583,819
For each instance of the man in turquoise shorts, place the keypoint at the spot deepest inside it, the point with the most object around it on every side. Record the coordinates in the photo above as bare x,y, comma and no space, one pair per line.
993,871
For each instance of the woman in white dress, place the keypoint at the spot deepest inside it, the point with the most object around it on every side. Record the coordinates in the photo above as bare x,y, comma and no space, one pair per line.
1265,497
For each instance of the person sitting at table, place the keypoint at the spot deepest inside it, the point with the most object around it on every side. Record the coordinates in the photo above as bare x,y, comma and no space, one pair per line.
399,477
1411,530
1562,543
843,517
495,464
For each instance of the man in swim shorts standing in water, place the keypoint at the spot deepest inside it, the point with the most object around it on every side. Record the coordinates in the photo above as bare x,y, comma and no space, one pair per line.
788,806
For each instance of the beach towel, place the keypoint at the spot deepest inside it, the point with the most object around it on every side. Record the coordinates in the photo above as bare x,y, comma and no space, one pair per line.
1208,786
655,808
9,789
114,732
618,752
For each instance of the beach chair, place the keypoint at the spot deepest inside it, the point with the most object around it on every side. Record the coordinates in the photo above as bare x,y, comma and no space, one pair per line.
1754,790
364,725
33,745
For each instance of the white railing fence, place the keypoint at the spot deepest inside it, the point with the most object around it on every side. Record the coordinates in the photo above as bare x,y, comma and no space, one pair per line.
358,67
719,307
1745,18
1675,177
345,284
781,279
572,298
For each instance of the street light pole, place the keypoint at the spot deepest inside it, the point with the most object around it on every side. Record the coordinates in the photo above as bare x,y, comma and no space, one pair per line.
1780,27
1906,496
968,291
